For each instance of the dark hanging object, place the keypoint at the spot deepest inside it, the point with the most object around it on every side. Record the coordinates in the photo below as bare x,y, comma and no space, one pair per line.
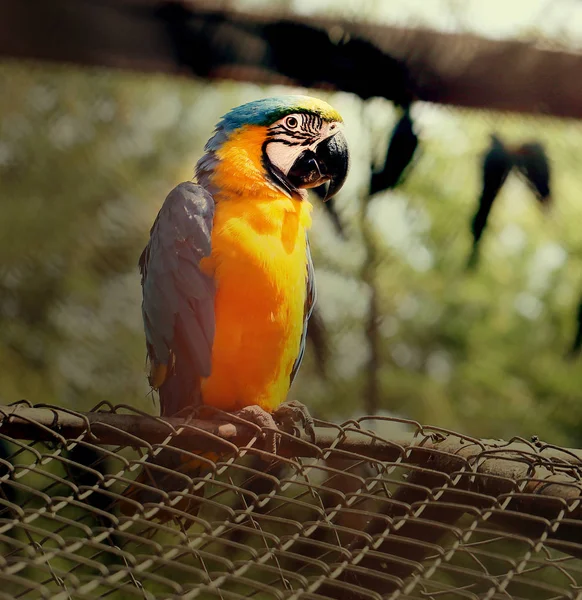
497,162
533,164
401,149
577,342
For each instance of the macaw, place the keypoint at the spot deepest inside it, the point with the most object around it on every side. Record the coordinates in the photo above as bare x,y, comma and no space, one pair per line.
227,275
497,163
532,163
399,154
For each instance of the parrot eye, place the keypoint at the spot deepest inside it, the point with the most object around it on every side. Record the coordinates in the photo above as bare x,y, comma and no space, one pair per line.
291,122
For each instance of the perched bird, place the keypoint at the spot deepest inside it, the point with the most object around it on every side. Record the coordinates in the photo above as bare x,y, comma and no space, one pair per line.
533,164
531,161
401,149
227,276
496,164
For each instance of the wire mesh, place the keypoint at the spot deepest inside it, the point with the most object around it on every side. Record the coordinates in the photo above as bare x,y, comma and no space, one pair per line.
375,508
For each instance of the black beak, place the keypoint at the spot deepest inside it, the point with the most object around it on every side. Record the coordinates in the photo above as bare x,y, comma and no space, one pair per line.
329,163
334,157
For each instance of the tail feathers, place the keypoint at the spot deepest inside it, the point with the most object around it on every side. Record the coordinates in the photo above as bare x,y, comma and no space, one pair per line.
180,391
161,480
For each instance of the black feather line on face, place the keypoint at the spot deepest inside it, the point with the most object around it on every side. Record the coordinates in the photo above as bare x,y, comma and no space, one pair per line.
309,126
276,134
313,124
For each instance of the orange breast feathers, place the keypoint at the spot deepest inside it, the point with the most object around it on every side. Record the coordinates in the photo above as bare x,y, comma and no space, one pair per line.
259,263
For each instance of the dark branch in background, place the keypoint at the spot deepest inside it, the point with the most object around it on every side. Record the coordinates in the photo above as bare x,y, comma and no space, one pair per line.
368,60
54,424
369,275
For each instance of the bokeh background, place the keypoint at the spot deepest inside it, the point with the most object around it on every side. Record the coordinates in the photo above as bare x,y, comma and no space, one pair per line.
87,157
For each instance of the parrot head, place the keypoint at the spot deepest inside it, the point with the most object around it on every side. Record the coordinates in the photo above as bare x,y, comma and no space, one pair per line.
289,143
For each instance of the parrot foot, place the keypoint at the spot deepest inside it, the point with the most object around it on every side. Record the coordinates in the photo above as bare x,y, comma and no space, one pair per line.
293,412
260,417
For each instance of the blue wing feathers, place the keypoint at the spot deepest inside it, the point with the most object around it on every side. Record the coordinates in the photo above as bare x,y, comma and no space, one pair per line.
178,298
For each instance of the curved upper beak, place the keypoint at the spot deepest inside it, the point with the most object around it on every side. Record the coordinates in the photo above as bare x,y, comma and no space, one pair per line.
334,160
329,162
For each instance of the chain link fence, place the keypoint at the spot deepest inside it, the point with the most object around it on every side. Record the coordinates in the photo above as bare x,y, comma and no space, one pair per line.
376,508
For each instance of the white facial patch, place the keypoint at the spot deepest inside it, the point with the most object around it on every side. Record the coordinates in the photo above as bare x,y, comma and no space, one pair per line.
293,135
282,156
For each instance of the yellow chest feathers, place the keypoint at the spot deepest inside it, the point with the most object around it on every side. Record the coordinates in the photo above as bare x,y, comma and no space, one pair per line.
259,263
269,235
259,233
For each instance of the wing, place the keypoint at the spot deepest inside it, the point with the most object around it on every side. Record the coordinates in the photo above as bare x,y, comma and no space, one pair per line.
534,164
310,300
178,298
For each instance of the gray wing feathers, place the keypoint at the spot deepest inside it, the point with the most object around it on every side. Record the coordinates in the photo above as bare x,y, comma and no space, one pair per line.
310,300
178,299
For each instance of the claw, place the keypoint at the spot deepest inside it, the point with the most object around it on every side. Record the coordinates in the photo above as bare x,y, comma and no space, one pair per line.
261,418
292,412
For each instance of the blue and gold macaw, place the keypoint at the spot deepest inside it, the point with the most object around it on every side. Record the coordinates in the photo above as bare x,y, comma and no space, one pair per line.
227,276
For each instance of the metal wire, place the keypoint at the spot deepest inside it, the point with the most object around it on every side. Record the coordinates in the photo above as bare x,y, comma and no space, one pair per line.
428,513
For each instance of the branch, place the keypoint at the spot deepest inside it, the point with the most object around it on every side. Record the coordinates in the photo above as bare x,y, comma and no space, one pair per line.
195,38
443,451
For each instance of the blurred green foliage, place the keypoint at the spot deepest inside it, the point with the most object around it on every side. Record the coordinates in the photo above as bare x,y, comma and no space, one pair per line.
87,157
